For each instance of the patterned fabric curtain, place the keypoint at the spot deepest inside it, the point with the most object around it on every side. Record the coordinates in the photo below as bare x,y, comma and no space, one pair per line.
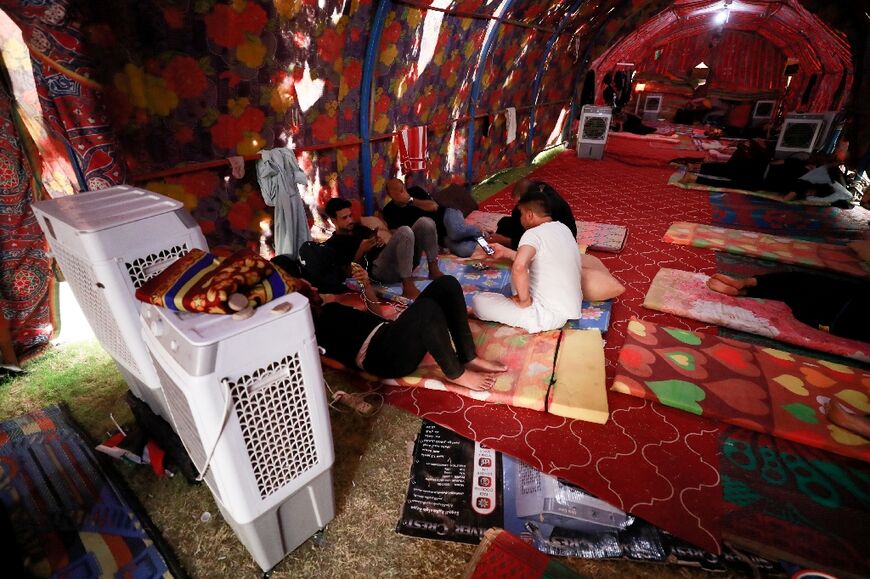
54,141
26,280
71,101
52,166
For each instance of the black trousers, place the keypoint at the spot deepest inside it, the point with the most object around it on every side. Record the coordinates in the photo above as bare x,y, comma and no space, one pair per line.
436,323
840,304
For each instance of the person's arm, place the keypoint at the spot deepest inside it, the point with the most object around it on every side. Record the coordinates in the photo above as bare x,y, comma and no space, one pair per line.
499,251
520,275
364,247
426,205
422,200
362,277
494,238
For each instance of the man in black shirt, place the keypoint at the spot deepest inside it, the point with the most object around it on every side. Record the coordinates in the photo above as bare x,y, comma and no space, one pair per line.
407,206
510,230
389,262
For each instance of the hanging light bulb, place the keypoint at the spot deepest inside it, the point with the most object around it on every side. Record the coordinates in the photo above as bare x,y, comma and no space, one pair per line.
722,16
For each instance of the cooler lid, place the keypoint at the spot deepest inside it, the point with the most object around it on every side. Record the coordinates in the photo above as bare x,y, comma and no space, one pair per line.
206,329
97,210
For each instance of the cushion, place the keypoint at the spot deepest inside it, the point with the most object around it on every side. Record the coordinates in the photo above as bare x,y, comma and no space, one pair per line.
457,197
199,282
596,281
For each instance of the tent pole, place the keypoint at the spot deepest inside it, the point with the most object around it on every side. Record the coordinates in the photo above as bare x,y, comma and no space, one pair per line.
366,103
539,76
475,87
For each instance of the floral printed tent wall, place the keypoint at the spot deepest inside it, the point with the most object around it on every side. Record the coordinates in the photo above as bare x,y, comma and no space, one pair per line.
160,92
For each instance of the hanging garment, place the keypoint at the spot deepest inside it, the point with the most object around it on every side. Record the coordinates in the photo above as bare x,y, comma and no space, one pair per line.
279,177
510,114
413,142
237,164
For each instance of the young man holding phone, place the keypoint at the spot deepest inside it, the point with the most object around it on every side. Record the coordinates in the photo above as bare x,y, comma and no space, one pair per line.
545,274
388,262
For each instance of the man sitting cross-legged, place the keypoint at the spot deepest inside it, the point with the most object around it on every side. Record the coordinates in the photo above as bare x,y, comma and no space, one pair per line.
389,262
406,207
545,274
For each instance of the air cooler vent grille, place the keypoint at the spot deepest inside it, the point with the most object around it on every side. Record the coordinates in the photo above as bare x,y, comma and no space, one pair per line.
273,411
143,269
94,305
185,425
530,480
595,128
798,135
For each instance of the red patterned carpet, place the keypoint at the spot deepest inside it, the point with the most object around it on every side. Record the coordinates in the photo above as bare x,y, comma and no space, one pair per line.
655,462
658,463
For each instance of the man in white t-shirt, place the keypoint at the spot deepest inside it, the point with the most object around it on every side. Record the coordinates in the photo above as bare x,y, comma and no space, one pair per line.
545,274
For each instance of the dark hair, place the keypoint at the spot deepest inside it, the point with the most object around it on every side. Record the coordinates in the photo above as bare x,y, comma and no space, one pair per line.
526,185
334,205
537,201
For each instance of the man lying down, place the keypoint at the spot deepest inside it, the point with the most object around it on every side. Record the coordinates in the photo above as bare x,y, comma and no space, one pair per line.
436,324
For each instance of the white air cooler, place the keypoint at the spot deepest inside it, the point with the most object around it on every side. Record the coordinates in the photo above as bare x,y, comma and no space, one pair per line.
108,243
593,131
249,394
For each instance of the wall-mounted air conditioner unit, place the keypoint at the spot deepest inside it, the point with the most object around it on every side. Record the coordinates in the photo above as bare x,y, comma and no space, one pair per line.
652,106
108,243
593,131
800,133
248,402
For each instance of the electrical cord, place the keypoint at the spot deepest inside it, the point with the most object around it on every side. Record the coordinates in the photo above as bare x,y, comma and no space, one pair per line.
226,415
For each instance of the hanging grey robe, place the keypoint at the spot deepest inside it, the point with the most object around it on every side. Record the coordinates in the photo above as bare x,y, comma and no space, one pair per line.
278,174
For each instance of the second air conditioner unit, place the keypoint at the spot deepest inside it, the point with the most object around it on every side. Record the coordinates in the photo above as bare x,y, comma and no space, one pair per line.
593,131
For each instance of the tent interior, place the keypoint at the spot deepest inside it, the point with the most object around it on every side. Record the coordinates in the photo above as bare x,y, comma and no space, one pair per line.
188,99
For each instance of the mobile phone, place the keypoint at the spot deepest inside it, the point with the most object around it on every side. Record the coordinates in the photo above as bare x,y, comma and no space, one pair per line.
482,242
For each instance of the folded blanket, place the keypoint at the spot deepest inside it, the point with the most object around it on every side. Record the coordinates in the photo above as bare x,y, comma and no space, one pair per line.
200,282
770,247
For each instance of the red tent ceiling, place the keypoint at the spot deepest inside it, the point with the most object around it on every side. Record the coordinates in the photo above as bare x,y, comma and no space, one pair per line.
783,23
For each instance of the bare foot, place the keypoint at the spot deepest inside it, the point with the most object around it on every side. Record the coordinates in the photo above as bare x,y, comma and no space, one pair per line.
434,272
732,286
476,381
409,290
718,285
482,365
843,418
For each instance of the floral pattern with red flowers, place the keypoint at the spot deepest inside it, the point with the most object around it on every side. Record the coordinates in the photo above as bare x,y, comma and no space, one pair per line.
214,78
